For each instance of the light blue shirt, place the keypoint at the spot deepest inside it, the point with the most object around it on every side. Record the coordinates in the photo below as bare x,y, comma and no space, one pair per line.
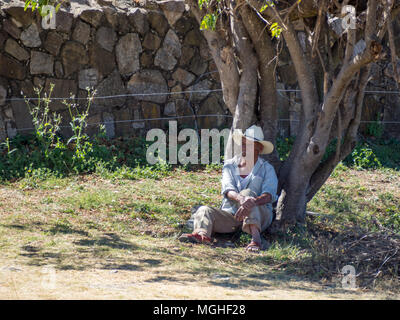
262,179
243,182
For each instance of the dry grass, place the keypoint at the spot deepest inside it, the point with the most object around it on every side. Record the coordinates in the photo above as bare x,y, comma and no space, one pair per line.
117,239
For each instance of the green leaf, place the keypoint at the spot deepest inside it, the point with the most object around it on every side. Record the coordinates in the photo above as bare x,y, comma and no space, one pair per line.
12,151
27,3
275,30
203,2
71,139
263,8
209,22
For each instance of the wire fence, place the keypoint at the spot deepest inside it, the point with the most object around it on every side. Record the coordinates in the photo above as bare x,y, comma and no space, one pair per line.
116,96
190,92
166,93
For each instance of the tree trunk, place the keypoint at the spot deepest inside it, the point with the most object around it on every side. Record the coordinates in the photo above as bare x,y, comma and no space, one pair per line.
292,201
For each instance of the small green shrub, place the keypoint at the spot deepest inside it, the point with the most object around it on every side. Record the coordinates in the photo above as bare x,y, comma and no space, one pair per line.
363,157
244,239
44,152
33,176
39,5
283,146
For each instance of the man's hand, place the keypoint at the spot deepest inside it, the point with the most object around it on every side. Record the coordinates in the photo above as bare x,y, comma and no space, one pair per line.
247,202
242,213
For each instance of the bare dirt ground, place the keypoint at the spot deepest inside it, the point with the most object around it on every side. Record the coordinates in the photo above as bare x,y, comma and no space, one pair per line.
36,283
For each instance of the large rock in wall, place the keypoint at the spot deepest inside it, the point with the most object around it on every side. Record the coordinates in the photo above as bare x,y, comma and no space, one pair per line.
145,55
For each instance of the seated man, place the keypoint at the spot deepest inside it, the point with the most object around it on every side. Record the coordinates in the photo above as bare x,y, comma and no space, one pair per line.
249,186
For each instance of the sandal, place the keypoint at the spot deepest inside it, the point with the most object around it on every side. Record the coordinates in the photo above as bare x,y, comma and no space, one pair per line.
194,238
253,246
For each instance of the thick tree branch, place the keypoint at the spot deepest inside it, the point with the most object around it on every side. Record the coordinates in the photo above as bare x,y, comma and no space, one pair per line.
267,83
325,169
305,77
224,58
351,41
245,107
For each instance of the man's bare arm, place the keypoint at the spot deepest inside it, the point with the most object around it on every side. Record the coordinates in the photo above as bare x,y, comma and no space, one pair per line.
263,199
233,195
244,201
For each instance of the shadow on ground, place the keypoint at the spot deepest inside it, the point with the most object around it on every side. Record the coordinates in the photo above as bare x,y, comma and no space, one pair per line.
78,250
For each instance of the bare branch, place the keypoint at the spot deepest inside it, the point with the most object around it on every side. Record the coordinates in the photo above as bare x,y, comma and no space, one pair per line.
351,41
318,27
392,44
370,25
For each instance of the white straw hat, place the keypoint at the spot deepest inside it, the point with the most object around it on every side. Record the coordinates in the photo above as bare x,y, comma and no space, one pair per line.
253,133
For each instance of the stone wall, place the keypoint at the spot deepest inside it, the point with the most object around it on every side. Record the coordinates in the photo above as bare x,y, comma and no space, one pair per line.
116,49
125,47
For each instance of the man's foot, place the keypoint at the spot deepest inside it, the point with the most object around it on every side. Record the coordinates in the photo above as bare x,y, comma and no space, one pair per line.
253,247
195,238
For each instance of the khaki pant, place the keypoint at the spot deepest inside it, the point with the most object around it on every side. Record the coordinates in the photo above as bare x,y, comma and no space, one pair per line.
210,220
